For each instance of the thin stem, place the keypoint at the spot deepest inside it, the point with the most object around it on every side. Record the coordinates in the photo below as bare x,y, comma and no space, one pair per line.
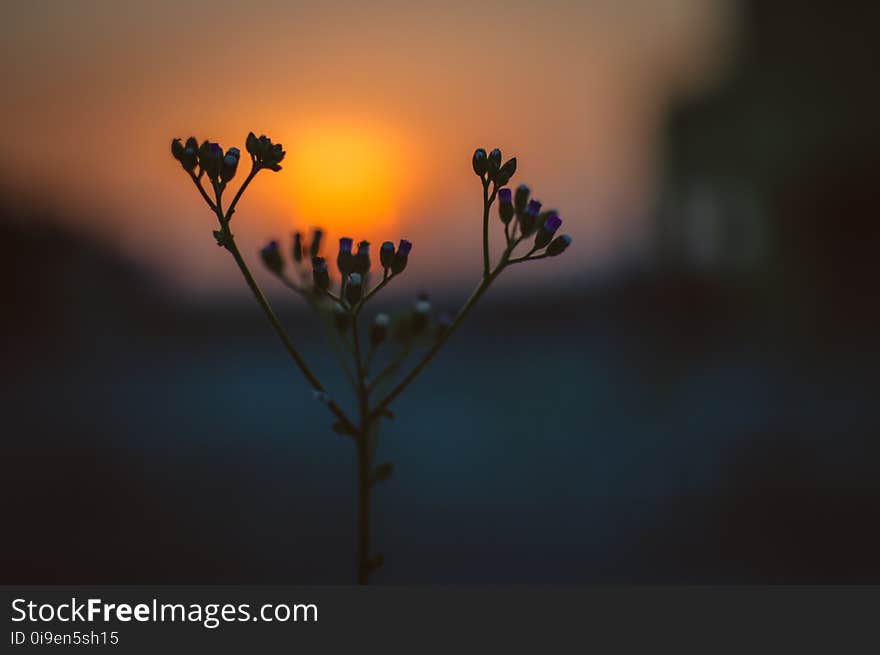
244,185
390,368
332,296
485,228
328,329
363,464
273,319
370,354
386,278
428,356
198,182
527,258
282,335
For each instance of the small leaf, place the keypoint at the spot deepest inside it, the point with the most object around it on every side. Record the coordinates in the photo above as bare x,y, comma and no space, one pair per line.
376,561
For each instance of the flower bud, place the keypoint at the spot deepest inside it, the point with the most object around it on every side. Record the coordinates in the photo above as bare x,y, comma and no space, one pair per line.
386,254
272,257
251,144
362,258
230,164
558,245
379,329
345,260
401,257
548,229
494,164
505,205
421,313
190,156
210,158
529,218
176,148
521,198
320,274
341,318
297,247
506,172
480,162
354,288
264,153
315,248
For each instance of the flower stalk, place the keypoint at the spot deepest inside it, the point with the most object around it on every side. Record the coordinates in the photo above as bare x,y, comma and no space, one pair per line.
342,309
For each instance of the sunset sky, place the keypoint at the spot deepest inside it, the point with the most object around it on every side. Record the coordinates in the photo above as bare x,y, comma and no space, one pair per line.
379,106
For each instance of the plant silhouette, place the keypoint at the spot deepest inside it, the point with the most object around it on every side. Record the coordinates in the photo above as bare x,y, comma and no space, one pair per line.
340,302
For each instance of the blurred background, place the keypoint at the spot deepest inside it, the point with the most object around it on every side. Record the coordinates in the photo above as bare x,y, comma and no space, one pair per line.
688,395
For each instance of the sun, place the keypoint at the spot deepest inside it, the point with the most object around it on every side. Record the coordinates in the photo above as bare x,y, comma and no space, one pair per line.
347,178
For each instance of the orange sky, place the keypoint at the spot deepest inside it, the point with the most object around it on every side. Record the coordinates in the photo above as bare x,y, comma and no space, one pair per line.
390,96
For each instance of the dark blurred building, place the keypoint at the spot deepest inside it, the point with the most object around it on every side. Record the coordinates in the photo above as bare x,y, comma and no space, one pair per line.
773,174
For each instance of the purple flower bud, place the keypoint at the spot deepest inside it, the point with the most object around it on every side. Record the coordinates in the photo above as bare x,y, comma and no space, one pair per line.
345,260
528,220
552,223
210,159
271,256
548,229
505,205
401,257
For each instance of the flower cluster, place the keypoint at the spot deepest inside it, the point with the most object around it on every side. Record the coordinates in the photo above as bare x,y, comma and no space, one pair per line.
532,221
306,271
220,167
490,169
354,266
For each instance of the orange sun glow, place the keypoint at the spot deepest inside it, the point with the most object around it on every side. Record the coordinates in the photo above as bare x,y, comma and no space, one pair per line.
347,179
